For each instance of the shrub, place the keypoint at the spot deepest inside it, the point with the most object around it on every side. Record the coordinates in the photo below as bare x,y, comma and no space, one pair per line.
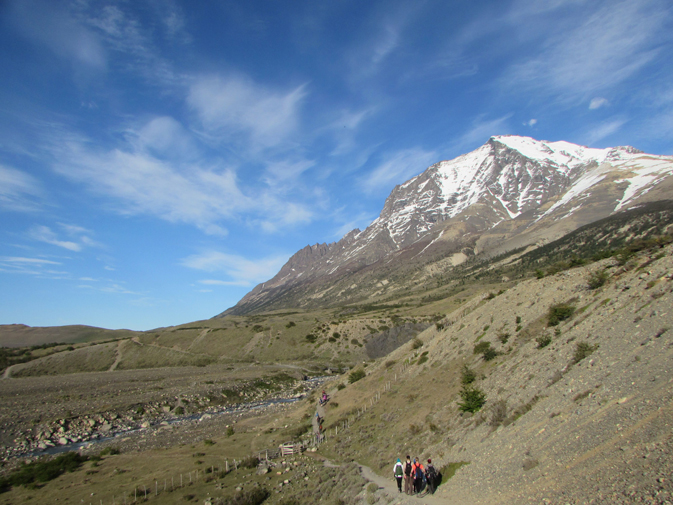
179,411
490,354
423,358
498,413
582,350
230,431
503,336
539,273
468,376
356,375
290,325
543,341
473,399
257,328
311,338
485,349
416,343
42,471
450,470
481,347
253,497
372,487
250,462
336,334
559,312
208,442
341,386
439,326
597,279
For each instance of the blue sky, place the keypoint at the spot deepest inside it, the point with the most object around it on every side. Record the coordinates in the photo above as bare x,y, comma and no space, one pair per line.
160,158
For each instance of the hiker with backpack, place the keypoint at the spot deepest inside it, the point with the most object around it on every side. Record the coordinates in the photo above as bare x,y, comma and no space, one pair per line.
431,477
398,472
407,476
417,472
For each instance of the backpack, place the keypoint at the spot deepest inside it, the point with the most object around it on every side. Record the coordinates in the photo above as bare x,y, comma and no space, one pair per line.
407,469
419,472
398,470
431,472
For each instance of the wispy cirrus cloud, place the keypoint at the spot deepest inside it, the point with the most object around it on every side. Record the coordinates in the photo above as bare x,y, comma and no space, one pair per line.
54,27
18,190
397,167
38,267
480,131
235,108
604,130
240,270
609,45
79,237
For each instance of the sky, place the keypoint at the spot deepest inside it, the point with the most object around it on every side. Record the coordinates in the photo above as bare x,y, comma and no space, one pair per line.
158,159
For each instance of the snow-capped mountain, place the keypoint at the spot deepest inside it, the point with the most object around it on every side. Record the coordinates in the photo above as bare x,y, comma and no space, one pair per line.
511,191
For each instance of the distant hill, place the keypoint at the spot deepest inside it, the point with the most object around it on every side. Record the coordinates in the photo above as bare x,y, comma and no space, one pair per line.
20,335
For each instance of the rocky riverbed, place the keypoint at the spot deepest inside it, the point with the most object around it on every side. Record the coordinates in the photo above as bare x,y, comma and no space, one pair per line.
57,413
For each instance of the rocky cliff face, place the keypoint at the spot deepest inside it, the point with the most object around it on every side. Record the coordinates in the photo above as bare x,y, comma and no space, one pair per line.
512,191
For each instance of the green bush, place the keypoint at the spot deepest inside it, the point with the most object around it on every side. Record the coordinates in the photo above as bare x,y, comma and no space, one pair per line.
416,343
179,411
473,399
559,312
356,375
490,354
42,471
468,376
582,350
290,325
481,347
543,341
597,279
311,338
230,431
253,497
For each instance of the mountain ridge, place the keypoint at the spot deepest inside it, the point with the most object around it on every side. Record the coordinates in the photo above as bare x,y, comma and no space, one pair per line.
512,191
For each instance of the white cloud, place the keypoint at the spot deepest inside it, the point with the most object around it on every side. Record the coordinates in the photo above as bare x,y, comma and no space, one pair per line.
236,108
29,266
398,167
147,185
242,271
79,235
18,190
597,102
610,45
45,234
604,130
479,132
52,26
532,122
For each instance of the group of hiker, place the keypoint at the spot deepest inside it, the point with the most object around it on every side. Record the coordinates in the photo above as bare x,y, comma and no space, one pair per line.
416,477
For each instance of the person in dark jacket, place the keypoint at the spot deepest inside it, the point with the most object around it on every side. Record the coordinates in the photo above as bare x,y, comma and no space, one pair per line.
431,477
408,480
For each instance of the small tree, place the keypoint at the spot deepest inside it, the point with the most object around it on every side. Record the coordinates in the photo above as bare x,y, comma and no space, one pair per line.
597,279
559,312
356,375
473,399
468,376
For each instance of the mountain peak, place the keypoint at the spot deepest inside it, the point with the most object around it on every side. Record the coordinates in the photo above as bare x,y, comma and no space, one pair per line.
515,190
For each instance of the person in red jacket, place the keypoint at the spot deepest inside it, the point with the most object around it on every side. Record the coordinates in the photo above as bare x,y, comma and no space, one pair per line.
417,472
